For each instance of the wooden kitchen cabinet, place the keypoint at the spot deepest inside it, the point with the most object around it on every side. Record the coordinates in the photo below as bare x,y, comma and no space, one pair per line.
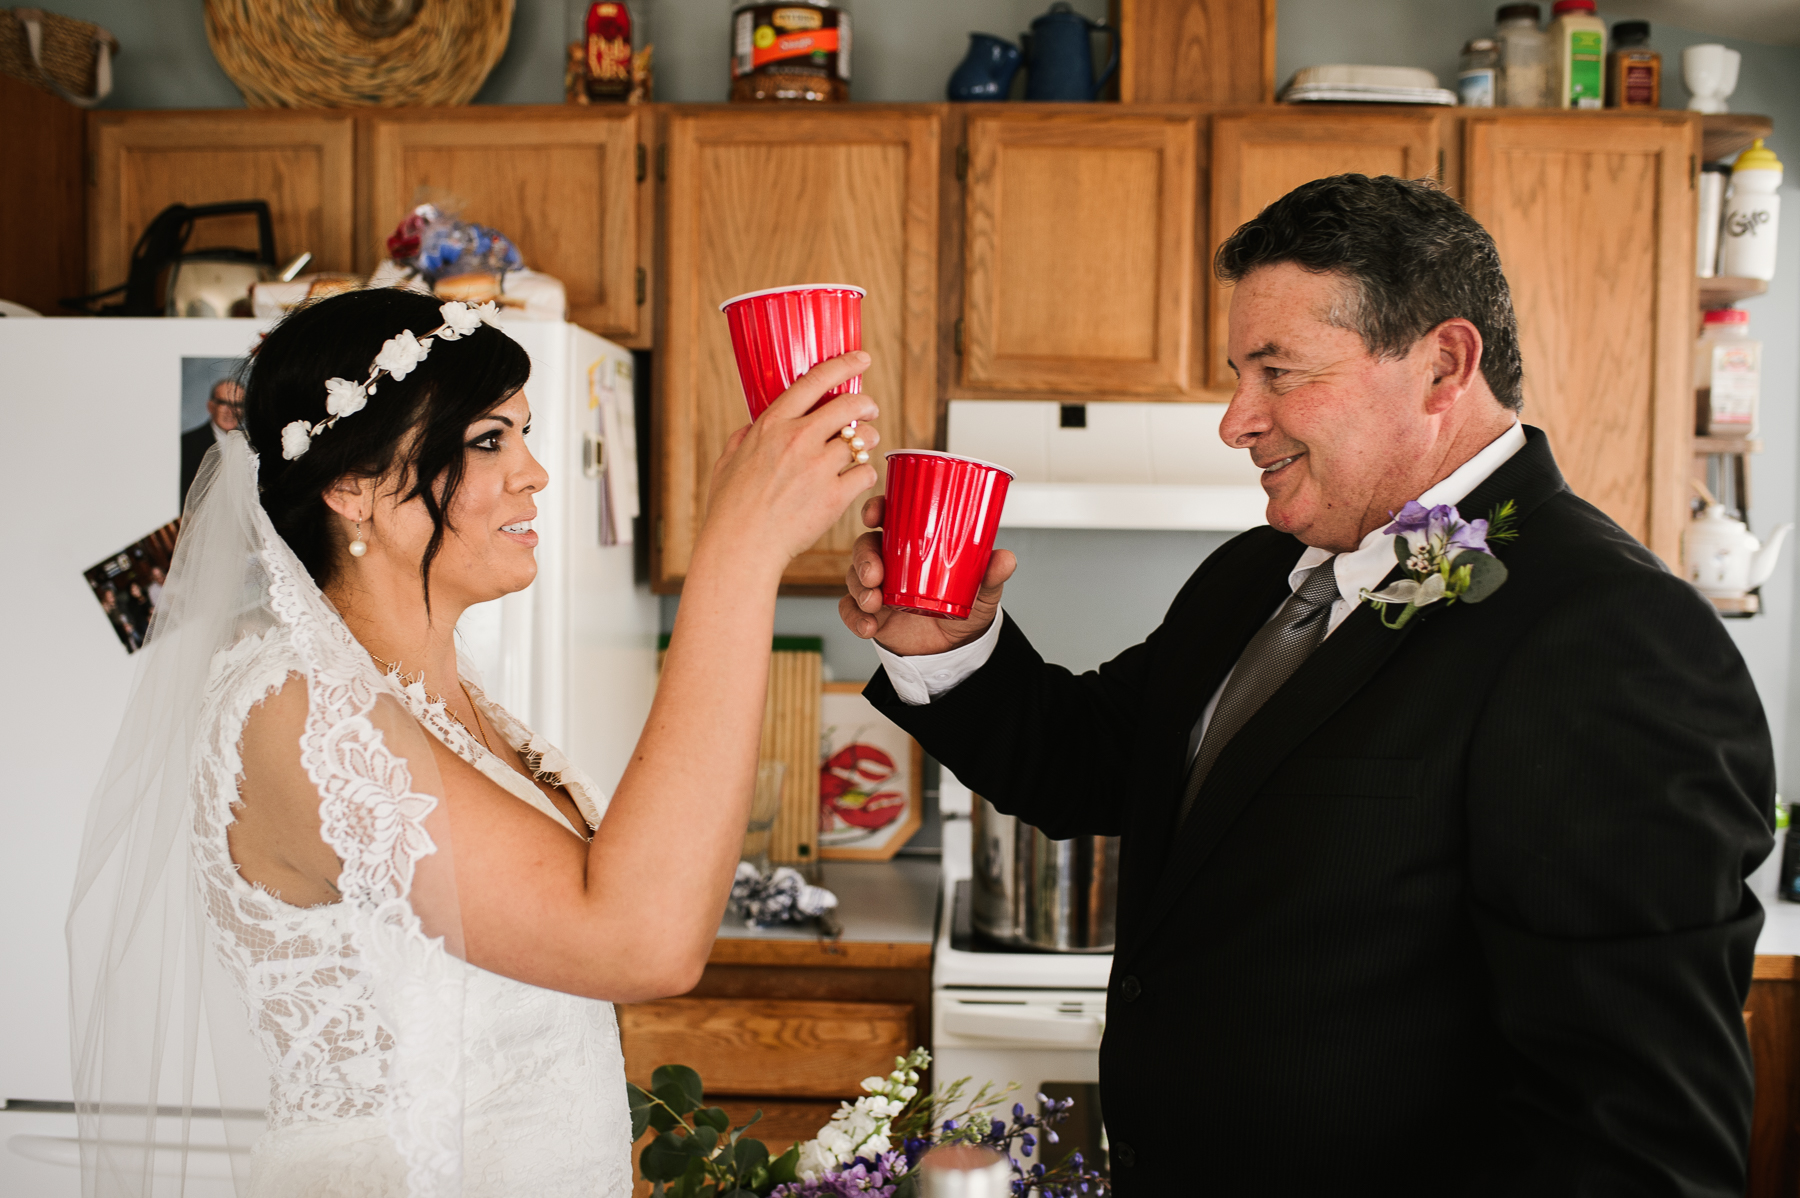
1594,217
1772,1018
562,182
1079,270
757,199
1258,157
1204,51
300,162
787,1027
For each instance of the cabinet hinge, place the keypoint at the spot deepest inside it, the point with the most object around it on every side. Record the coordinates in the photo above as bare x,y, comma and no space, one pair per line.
957,335
640,284
662,163
643,162
962,164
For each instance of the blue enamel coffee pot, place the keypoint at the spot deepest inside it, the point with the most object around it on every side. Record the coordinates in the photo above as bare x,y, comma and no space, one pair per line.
1059,61
987,73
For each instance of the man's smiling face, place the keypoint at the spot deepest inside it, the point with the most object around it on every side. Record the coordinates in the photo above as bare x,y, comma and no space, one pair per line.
1342,436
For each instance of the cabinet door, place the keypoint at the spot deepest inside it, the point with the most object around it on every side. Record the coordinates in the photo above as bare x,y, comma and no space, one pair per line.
1200,51
1259,158
301,163
1594,217
561,182
1079,271
773,198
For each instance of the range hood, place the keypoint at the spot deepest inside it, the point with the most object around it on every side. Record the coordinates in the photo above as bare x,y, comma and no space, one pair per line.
1112,465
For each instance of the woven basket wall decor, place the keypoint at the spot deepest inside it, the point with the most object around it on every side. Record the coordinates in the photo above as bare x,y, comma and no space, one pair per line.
357,53
72,59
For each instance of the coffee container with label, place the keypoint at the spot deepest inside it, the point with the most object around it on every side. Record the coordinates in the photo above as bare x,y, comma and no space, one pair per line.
1633,69
797,51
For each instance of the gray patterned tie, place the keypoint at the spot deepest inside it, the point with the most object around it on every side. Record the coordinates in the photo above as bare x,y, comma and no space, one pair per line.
1272,655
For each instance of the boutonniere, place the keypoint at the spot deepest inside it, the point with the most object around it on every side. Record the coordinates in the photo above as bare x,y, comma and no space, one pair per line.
1445,558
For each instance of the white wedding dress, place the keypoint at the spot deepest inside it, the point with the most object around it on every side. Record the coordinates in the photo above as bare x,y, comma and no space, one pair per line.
397,1070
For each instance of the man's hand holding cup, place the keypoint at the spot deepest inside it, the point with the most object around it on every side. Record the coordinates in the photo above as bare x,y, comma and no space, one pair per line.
905,632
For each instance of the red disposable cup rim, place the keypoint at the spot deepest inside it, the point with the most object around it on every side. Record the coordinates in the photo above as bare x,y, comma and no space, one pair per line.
955,457
860,293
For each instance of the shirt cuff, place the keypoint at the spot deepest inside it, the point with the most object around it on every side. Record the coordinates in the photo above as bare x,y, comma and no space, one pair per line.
919,680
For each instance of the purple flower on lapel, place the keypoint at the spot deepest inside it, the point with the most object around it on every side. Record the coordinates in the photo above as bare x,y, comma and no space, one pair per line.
1443,556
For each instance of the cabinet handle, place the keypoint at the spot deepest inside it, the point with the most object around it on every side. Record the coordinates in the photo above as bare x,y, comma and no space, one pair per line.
643,162
640,285
958,335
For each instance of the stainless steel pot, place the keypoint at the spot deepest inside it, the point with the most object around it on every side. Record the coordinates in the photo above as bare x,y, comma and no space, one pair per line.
1055,895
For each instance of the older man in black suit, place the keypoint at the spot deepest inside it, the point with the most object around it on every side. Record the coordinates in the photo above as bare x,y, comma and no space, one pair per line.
224,405
1453,904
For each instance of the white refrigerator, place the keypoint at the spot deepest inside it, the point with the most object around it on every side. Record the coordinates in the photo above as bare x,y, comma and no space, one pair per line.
94,414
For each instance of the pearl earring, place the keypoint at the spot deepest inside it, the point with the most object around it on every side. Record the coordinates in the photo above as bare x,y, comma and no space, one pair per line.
357,547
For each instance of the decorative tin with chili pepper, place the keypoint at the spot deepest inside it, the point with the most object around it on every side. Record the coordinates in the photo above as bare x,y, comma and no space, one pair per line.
796,51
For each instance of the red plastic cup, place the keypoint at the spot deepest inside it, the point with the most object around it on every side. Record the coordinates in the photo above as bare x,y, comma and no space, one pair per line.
783,332
942,514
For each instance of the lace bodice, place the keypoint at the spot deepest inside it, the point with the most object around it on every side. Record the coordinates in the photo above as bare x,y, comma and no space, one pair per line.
380,1085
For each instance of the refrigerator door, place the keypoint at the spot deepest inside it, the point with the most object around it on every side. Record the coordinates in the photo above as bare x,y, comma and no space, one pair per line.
94,427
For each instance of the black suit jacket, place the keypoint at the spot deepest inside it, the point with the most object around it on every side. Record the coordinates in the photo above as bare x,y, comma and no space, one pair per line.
1460,911
194,444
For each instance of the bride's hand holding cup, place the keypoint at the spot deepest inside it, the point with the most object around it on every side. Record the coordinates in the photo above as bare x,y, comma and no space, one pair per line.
786,478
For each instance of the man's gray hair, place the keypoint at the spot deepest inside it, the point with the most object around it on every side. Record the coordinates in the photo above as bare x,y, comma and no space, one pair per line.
1410,257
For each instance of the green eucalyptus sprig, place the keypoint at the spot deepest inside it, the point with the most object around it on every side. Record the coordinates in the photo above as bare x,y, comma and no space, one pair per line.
696,1152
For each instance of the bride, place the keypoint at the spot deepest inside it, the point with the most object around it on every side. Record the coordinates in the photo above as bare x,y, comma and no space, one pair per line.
393,917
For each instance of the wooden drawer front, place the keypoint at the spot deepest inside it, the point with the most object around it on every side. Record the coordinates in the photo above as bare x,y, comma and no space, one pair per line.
561,183
1258,159
778,1047
1080,264
301,163
753,201
1595,227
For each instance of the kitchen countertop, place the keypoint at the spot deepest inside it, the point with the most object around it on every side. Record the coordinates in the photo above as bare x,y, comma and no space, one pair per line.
1781,921
889,906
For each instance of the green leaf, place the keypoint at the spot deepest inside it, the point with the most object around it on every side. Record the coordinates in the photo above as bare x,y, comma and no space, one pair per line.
1402,550
682,1081
713,1117
665,1158
908,1186
740,1193
674,1097
750,1156
786,1167
1486,573
703,1141
758,1181
642,1104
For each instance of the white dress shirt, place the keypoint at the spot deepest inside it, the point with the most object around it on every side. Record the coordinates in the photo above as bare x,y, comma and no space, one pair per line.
918,680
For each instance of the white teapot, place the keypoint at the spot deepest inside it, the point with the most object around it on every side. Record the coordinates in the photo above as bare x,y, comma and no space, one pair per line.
1723,559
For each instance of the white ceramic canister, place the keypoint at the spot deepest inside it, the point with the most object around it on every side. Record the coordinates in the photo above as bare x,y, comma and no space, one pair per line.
1714,177
1752,214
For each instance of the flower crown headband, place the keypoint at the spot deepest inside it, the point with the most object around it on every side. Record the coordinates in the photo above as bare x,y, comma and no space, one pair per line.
398,356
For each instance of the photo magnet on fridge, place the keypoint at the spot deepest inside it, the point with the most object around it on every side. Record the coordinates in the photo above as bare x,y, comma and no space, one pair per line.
129,584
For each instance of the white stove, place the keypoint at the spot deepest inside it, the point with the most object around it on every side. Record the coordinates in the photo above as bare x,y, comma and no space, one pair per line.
1001,1015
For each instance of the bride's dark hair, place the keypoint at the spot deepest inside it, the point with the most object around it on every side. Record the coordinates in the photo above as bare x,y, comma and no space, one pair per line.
413,427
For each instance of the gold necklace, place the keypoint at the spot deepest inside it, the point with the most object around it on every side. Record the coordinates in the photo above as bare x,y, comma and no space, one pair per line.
393,668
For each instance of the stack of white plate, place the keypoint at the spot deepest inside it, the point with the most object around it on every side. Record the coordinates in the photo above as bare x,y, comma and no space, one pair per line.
1366,85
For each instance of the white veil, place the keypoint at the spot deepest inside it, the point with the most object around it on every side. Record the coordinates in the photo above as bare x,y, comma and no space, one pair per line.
159,984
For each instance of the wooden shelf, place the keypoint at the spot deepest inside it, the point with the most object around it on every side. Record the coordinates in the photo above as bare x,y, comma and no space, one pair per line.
1724,134
1724,290
1748,605
1709,445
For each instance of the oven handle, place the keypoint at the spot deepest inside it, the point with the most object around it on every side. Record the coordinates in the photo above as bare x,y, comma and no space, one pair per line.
1024,1025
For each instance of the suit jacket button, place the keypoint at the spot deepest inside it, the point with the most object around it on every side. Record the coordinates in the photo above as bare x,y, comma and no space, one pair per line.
1124,1155
1130,988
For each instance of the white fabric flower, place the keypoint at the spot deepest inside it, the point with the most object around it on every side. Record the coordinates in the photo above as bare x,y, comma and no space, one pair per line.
489,313
296,439
344,398
401,353
459,320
